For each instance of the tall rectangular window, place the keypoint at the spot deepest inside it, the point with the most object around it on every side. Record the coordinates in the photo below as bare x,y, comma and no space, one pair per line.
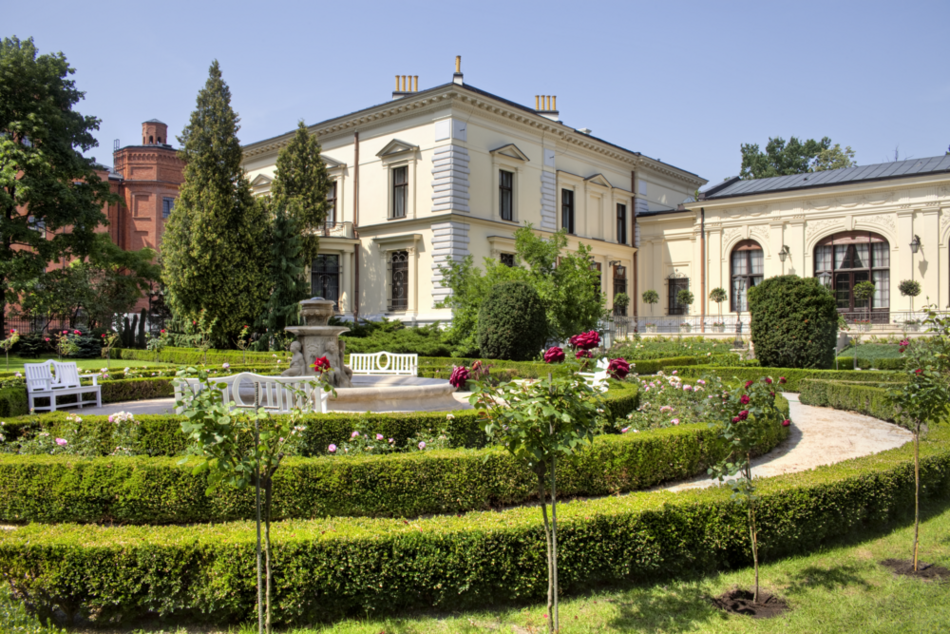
621,224
331,204
508,259
399,280
325,278
167,205
674,305
620,286
400,191
506,182
567,210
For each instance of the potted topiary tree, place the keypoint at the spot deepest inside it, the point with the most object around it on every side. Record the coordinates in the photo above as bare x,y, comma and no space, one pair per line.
651,297
910,288
685,297
864,291
621,301
718,295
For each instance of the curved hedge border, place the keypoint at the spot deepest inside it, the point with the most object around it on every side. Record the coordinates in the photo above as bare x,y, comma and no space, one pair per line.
327,568
161,491
794,376
864,397
160,434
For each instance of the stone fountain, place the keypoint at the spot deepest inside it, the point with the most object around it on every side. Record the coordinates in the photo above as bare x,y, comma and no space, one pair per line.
360,393
316,339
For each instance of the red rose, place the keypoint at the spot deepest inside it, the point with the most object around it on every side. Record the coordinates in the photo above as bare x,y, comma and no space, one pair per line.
768,380
781,380
459,376
744,414
736,419
918,371
748,384
554,354
321,365
618,368
744,399
585,340
76,332
786,423
583,354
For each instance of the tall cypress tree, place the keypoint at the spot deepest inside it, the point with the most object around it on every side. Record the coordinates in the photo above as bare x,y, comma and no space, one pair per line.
301,184
215,247
46,185
286,271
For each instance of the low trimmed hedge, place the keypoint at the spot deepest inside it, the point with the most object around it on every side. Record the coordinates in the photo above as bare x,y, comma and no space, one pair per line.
160,434
885,363
328,568
865,398
793,376
193,356
162,491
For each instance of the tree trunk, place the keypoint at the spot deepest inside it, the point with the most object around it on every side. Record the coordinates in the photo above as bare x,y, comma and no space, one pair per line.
267,499
557,627
547,539
916,488
754,536
257,494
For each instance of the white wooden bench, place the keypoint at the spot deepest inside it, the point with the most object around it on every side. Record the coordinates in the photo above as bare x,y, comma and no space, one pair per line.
52,379
598,378
384,363
242,389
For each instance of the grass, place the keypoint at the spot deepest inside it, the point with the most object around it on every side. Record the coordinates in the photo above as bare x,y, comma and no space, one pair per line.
840,588
16,362
873,351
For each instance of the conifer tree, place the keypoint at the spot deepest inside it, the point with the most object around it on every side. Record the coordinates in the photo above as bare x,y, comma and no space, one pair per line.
301,184
215,246
286,272
46,184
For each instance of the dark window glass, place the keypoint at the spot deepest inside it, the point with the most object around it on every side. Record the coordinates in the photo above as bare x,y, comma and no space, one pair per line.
622,224
675,307
331,204
747,271
325,278
846,259
399,280
506,194
167,205
620,286
400,190
567,210
508,259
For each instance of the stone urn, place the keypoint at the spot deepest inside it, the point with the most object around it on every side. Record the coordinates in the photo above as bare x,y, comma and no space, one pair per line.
317,339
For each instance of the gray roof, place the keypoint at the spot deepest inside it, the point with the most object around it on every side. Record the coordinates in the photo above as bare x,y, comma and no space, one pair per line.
154,121
880,171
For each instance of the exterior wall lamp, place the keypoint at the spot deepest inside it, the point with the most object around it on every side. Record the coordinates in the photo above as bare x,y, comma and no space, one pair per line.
784,253
825,279
915,244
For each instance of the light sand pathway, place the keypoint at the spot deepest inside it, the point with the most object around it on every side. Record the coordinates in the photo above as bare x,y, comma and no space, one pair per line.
819,436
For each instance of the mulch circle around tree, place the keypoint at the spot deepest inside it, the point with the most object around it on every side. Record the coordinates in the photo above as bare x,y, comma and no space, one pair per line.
739,601
927,572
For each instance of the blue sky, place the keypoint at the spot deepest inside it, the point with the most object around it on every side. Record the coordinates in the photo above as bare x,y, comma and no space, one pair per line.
685,82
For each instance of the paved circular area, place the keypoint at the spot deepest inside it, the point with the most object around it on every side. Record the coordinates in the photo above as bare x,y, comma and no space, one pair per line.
819,436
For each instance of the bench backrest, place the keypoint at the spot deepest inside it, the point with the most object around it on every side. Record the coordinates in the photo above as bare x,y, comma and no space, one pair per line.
39,376
276,392
67,374
384,363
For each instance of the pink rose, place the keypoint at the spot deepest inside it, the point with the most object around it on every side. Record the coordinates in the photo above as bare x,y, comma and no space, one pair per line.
62,442
332,448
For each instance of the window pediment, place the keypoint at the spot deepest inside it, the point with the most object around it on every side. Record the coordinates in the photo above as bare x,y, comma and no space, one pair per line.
599,179
510,151
261,181
396,148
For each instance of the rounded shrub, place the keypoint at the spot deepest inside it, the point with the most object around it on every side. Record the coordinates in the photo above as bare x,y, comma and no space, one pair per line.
794,323
512,324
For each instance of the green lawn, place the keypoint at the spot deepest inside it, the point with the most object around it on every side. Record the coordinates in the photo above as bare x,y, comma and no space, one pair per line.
837,589
16,363
873,351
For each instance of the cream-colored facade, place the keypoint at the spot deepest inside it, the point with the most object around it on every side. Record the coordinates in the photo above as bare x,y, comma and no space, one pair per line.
813,226
450,145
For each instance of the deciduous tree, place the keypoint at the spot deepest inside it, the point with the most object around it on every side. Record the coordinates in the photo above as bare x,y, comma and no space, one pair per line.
51,197
215,246
795,157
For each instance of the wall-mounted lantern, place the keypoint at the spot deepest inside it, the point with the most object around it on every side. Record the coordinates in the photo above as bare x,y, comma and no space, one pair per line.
915,244
784,253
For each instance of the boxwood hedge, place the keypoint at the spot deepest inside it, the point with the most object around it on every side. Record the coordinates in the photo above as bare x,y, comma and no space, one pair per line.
162,491
160,435
331,567
864,397
793,376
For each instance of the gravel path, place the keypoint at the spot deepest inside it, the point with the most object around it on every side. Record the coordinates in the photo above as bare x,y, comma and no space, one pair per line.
819,436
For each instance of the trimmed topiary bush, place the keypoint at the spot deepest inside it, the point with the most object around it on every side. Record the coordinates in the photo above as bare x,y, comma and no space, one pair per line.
794,323
512,323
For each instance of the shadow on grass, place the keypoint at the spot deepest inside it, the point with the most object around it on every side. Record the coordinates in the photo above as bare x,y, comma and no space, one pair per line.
828,578
652,608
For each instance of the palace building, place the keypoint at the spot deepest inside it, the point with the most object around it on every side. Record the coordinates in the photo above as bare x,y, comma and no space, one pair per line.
453,171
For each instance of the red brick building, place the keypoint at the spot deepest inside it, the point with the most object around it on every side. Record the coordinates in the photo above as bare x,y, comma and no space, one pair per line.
147,177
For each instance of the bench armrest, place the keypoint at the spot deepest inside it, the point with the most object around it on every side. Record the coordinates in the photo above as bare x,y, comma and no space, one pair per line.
94,377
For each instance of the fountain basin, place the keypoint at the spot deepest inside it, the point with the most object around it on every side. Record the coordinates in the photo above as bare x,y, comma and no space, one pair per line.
396,394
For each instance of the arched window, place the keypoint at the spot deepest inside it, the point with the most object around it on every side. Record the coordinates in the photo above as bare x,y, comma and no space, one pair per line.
150,142
848,258
747,270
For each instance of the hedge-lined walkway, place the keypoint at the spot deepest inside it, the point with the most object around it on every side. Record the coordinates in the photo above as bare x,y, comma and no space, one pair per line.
818,436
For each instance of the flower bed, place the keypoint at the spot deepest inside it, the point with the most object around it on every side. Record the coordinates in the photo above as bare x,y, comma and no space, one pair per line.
327,568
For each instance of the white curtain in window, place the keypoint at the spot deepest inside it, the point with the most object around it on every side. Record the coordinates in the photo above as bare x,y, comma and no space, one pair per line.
739,263
841,254
881,255
882,287
823,258
757,262
861,256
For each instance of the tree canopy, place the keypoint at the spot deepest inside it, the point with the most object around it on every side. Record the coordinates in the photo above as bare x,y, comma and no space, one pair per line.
51,197
794,157
300,186
215,244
